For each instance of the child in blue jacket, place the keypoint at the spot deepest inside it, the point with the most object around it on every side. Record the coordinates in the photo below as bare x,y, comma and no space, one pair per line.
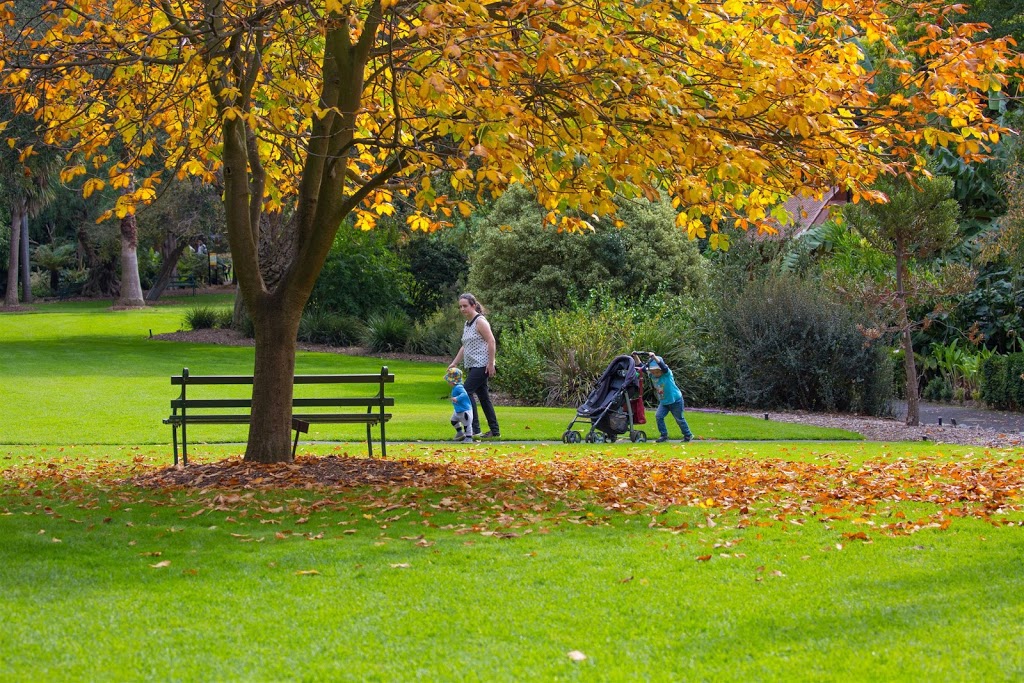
670,398
462,417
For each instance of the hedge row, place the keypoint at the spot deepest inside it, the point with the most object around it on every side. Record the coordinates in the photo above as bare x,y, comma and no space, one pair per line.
1002,381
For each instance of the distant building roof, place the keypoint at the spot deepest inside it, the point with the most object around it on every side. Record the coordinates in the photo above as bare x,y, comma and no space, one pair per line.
806,212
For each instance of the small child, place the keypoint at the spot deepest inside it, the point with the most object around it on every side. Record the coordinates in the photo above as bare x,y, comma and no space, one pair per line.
670,398
462,417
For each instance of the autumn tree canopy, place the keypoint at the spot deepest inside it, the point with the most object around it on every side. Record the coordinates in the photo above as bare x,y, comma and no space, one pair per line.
325,108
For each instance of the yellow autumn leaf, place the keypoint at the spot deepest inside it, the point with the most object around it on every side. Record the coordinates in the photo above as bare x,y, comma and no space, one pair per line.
92,185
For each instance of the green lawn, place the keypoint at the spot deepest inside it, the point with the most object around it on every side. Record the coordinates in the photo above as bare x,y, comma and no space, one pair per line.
849,561
99,371
503,587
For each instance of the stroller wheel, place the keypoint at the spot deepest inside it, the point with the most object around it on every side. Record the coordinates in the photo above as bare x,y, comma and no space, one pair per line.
590,438
610,438
574,437
566,437
638,436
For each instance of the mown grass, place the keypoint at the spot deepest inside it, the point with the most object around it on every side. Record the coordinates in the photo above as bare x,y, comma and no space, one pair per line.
104,580
108,382
402,590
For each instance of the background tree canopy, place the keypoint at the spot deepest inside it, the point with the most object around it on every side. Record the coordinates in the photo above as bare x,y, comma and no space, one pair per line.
521,266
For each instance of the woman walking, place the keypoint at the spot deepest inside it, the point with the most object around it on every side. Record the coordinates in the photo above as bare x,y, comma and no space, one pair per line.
477,354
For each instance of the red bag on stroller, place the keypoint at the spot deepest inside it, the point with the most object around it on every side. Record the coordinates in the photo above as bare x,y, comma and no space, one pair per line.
637,404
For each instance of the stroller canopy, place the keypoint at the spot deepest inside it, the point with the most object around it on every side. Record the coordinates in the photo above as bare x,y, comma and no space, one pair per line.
619,376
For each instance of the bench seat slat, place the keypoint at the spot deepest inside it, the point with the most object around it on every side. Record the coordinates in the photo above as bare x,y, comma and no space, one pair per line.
340,418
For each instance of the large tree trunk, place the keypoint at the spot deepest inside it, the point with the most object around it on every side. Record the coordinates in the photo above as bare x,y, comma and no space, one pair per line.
276,328
909,366
238,311
26,271
131,283
276,290
11,297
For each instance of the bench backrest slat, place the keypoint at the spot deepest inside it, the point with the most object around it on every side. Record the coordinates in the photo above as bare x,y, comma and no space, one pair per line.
191,403
299,379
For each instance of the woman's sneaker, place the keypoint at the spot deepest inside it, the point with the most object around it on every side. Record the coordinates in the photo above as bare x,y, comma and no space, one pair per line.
661,439
490,435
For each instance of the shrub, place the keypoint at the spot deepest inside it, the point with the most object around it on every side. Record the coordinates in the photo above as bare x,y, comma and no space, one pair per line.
786,345
387,331
195,265
938,389
555,357
520,267
201,318
224,316
362,276
77,277
319,326
438,335
40,284
1002,381
437,267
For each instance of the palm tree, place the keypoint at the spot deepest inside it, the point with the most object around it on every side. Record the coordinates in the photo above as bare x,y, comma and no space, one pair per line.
25,187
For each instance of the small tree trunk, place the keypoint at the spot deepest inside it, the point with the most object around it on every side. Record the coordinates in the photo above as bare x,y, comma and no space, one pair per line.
131,283
11,297
270,428
26,271
909,366
166,270
913,401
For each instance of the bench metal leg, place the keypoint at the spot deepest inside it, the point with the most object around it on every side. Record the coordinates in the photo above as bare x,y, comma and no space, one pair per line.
184,445
174,439
369,441
383,441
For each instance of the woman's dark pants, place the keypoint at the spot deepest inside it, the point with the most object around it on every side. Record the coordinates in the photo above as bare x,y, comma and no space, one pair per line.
476,385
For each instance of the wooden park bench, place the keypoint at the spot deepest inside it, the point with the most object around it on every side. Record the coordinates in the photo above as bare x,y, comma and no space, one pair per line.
183,282
69,289
188,410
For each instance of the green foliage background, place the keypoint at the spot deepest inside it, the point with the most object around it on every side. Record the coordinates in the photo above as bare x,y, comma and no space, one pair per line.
521,267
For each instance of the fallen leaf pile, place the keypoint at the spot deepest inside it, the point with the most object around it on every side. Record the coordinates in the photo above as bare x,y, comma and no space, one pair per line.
773,489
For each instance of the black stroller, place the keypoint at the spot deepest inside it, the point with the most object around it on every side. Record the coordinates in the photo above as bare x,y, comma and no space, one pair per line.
613,407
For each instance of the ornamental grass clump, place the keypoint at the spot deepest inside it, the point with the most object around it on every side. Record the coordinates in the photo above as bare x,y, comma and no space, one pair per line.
201,318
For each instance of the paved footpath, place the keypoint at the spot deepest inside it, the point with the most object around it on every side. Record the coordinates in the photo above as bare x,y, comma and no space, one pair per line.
966,416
